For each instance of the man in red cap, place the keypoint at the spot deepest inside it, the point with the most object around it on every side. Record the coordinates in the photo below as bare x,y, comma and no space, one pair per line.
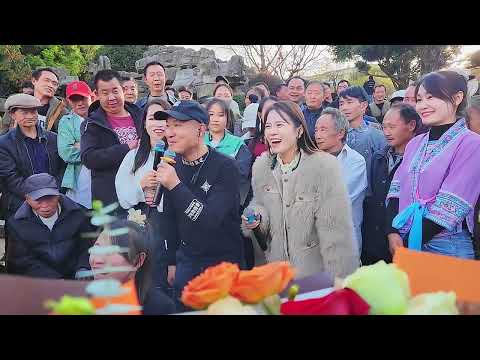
77,178
79,96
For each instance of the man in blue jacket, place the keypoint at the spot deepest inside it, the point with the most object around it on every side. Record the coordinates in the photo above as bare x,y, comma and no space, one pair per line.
46,233
155,77
25,150
399,126
312,109
202,196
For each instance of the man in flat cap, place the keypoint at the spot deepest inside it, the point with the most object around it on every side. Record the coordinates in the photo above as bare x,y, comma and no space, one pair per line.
46,233
26,150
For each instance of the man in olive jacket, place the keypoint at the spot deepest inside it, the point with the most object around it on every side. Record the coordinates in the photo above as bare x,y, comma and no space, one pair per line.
45,82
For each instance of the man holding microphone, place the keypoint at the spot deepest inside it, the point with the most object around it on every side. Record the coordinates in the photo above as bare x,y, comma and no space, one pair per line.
202,188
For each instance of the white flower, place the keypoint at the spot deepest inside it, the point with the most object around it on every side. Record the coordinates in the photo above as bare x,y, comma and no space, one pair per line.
136,216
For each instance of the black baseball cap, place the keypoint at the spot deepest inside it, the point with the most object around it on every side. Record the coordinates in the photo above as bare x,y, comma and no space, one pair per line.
185,110
40,185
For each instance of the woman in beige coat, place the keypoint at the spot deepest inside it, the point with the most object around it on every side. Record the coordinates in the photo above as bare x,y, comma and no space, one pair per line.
300,200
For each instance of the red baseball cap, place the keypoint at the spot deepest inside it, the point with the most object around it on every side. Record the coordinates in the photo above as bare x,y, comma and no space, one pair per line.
78,88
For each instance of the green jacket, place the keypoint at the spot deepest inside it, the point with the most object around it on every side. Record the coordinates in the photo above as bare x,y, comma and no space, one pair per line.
230,144
68,135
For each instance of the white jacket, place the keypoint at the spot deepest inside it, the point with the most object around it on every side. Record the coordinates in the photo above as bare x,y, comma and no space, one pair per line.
127,184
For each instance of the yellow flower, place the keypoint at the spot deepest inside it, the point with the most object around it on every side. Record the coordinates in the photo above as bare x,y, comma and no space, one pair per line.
230,306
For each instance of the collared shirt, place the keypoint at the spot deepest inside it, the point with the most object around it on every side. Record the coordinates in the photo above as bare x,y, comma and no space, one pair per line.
393,159
292,165
49,222
366,139
355,175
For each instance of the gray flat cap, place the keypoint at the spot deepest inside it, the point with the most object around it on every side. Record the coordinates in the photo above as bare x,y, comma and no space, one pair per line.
23,101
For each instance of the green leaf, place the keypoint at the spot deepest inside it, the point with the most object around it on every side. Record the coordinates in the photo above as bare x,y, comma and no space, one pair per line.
99,220
117,232
108,209
69,305
97,205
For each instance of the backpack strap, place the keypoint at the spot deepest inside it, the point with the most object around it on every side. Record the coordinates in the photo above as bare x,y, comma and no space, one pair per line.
55,115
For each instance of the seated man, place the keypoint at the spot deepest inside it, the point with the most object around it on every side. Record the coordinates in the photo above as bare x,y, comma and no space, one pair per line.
45,233
330,135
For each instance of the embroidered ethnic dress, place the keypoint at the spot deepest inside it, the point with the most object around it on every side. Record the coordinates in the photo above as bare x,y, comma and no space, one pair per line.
444,175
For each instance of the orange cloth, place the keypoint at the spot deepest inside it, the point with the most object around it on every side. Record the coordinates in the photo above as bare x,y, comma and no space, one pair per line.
129,298
429,272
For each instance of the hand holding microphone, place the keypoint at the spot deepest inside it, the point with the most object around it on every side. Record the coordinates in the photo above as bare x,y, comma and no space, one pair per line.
166,175
250,218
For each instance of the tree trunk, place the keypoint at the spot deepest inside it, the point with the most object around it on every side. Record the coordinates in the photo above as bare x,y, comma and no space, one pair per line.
399,81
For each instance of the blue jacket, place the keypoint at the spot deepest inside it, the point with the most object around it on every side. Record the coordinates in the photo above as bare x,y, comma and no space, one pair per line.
311,117
102,152
34,250
16,164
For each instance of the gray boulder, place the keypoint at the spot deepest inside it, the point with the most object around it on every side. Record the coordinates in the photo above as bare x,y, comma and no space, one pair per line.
184,77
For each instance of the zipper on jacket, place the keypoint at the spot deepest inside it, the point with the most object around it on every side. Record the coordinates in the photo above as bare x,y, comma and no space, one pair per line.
29,158
48,155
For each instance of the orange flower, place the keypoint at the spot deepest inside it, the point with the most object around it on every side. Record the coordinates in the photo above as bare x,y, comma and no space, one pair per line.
210,286
261,282
129,298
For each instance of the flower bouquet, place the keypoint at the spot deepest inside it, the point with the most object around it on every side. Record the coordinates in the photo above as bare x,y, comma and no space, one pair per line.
226,290
379,289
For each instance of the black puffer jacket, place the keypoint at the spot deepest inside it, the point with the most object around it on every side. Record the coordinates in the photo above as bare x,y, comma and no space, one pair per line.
16,164
476,230
102,152
36,251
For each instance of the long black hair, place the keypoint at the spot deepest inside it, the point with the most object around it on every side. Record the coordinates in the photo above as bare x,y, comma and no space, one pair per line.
259,128
445,85
227,111
145,147
137,240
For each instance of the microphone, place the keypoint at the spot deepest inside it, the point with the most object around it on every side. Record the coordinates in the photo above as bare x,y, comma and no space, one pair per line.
159,150
169,158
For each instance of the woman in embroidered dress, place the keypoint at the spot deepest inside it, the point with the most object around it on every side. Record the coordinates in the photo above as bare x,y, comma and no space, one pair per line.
300,199
432,197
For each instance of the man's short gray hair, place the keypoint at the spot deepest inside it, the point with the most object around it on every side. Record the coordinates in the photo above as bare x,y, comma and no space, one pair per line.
339,120
315,82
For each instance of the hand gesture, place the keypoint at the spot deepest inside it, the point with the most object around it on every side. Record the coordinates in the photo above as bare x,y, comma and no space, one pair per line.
149,180
132,144
171,274
253,225
167,175
394,241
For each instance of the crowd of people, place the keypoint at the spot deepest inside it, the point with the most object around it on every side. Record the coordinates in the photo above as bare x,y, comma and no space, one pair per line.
327,179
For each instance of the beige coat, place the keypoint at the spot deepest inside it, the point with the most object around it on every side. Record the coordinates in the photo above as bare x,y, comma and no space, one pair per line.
306,215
